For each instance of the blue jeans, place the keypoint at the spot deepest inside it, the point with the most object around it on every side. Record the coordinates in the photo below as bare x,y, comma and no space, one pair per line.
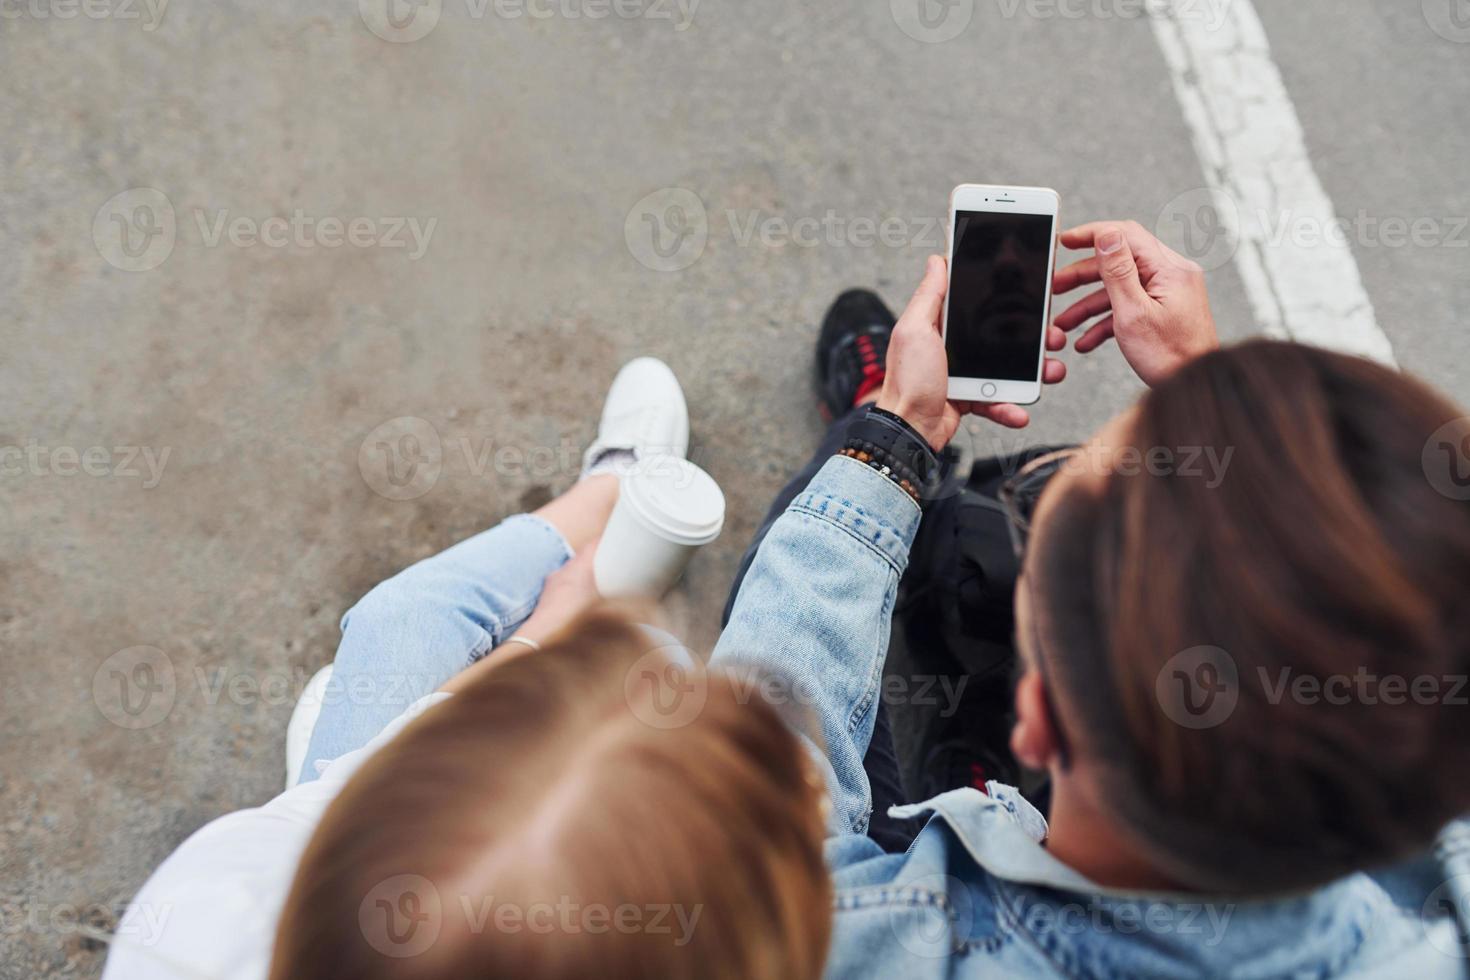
413,632
880,762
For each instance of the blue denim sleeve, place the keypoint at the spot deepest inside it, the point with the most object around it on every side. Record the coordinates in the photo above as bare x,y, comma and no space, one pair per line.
815,608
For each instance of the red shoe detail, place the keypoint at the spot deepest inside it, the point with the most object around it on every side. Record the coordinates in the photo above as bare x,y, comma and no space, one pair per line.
873,372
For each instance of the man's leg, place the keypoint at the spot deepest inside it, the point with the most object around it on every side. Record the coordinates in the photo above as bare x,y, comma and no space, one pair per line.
850,353
830,444
881,760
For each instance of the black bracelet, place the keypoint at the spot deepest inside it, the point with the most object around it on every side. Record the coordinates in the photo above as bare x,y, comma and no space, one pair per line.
914,450
895,417
890,445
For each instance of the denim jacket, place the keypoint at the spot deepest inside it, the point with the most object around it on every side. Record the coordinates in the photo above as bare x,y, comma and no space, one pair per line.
977,895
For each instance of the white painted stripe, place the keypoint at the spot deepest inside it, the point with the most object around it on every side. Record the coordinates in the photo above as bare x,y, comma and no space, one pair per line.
1250,142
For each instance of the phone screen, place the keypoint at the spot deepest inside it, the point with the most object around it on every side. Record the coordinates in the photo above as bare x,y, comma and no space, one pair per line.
997,294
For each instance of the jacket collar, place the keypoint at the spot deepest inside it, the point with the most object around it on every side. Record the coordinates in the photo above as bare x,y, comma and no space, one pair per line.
1322,929
1003,833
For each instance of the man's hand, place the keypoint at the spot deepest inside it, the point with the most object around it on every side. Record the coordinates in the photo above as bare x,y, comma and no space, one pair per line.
1155,298
917,383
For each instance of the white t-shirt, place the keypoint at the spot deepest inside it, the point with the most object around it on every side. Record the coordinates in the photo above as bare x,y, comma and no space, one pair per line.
210,910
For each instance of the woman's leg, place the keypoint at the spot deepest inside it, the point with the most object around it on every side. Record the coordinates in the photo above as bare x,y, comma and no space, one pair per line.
411,634
419,628
581,513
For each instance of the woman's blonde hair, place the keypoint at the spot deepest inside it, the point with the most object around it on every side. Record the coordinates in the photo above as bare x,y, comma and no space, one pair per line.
593,809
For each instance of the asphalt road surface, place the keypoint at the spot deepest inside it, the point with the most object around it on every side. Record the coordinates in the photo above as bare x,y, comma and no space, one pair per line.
244,243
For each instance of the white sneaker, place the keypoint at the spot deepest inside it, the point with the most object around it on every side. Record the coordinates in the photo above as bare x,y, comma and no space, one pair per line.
303,721
644,415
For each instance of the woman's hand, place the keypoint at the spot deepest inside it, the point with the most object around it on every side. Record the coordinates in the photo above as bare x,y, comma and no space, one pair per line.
569,591
916,386
1155,299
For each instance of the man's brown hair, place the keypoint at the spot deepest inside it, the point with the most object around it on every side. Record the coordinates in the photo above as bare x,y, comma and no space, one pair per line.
1327,553
556,819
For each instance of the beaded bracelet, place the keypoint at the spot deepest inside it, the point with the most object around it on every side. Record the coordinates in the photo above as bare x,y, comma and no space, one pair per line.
886,465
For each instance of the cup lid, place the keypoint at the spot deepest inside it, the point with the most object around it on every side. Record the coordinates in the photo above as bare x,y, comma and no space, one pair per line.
677,498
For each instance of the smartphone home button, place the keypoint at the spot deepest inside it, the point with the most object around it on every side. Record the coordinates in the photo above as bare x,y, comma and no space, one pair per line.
987,390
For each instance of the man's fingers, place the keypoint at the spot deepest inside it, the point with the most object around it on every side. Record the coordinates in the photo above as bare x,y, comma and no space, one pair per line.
928,299
1120,275
1147,249
1084,310
1096,336
1079,273
1055,339
1083,235
1053,371
1002,413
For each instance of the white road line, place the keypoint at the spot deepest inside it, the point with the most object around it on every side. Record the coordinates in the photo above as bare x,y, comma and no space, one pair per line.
1305,286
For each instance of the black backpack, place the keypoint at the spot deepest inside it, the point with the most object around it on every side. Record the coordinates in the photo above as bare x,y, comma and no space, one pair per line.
955,617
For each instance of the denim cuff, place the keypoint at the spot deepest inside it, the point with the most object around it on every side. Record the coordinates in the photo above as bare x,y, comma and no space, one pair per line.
866,504
558,552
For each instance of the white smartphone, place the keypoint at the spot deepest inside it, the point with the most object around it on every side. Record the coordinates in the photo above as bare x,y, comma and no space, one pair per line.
1002,252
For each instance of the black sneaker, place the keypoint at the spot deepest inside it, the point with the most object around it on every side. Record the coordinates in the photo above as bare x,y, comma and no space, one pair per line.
958,763
852,350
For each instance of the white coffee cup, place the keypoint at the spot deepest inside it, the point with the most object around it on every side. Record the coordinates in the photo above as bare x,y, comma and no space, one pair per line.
667,509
